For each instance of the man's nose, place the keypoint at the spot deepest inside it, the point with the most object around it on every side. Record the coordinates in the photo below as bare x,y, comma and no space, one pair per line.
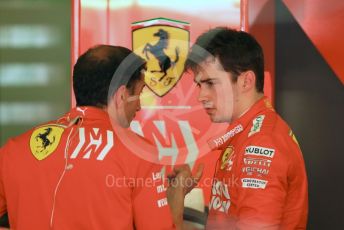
202,95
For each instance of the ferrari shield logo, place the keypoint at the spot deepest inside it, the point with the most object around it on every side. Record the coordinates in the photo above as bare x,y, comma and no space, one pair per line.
164,44
44,140
226,157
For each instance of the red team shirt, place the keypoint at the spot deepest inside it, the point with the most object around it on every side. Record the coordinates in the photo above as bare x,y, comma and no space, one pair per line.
260,180
92,182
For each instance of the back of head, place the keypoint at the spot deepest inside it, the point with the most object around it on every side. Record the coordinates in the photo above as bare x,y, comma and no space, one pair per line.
237,51
94,70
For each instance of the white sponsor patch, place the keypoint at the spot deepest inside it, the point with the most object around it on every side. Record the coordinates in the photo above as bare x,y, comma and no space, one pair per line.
162,202
256,125
161,188
259,151
251,170
253,183
220,200
225,137
257,162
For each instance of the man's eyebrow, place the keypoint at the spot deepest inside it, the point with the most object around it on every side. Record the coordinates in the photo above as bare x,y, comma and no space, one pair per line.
204,80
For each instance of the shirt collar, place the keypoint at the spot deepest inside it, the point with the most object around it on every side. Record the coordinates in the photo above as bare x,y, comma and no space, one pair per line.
85,112
240,124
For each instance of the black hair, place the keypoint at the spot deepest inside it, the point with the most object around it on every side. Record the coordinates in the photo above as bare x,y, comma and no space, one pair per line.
237,52
94,71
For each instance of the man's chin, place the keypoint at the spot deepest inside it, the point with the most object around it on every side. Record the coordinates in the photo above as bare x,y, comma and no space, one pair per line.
215,119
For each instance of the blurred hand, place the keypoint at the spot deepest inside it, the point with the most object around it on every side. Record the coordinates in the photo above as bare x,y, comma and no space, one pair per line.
181,182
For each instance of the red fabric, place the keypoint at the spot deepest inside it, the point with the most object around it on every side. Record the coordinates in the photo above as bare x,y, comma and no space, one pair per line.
116,192
262,184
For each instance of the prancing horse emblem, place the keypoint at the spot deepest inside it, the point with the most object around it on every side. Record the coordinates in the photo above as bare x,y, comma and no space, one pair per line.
44,140
164,44
158,52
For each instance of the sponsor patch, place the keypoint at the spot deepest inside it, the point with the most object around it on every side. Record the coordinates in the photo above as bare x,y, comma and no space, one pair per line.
259,151
253,183
257,162
220,200
215,143
256,125
45,140
257,170
227,159
162,202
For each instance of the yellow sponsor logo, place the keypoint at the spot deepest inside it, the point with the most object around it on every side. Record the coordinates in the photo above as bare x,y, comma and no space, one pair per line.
44,140
292,135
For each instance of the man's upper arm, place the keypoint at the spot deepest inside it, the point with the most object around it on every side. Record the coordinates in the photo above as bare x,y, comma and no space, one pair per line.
150,207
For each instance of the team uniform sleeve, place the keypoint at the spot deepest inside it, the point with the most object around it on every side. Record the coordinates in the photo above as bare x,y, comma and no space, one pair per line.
268,174
150,207
3,204
149,202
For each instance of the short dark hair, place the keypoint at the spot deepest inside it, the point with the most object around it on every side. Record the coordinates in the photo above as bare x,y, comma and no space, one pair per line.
237,52
94,70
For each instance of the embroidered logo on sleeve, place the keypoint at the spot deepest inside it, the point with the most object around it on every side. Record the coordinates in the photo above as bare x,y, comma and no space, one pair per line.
44,141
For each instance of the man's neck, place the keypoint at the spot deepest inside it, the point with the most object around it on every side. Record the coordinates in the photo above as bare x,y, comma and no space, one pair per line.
247,104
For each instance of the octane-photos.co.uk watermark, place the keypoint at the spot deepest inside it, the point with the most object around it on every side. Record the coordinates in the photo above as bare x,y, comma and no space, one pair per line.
111,181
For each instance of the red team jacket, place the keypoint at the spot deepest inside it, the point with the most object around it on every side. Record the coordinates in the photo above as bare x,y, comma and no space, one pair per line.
77,174
260,180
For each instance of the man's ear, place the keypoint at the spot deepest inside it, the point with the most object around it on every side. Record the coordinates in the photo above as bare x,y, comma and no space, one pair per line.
120,97
247,81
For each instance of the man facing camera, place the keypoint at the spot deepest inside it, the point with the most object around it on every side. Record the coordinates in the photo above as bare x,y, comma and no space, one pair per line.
260,179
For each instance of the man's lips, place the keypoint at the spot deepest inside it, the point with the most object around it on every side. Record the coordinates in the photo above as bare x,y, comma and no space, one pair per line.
209,107
209,110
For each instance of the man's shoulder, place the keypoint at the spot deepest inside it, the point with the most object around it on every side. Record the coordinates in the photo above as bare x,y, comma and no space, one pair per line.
267,123
136,146
269,128
24,136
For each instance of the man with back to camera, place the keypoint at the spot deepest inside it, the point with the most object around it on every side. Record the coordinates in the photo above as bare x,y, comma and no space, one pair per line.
75,172
260,179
